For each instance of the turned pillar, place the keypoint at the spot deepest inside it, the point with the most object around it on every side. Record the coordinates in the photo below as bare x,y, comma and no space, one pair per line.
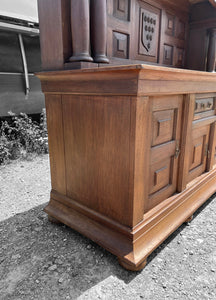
98,21
211,51
80,30
89,30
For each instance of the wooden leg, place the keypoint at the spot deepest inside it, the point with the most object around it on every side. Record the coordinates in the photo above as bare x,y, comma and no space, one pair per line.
53,220
131,267
188,220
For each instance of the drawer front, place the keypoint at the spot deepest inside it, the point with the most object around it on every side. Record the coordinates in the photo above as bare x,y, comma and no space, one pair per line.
204,106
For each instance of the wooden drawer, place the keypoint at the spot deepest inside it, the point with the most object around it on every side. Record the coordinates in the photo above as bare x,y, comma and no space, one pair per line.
205,106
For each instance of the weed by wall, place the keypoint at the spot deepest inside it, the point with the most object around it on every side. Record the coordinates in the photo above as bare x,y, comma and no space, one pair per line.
21,137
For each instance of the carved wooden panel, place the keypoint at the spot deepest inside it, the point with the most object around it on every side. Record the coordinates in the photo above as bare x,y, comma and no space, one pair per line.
121,9
148,30
170,24
153,32
160,175
179,63
120,45
181,29
202,105
165,129
199,151
168,55
163,123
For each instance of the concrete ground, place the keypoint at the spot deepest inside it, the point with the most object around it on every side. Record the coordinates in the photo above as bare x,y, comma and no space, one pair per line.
40,260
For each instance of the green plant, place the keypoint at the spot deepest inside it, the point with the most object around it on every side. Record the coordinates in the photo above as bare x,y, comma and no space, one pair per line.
20,137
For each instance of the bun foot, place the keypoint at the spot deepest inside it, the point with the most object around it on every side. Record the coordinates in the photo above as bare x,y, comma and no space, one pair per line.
188,220
53,220
132,267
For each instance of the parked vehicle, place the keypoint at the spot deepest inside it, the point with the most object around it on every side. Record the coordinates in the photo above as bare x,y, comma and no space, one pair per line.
20,89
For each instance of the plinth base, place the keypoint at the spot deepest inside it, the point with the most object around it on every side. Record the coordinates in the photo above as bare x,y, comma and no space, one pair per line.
130,267
132,246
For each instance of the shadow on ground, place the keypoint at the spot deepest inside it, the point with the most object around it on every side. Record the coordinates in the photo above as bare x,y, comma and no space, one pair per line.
41,260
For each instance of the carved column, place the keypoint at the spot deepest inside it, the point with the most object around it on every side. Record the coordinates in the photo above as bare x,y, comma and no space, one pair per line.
80,29
211,51
99,30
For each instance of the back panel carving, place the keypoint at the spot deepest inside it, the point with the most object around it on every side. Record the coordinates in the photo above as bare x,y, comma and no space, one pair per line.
168,55
179,62
146,31
138,30
170,24
120,45
149,25
121,9
181,30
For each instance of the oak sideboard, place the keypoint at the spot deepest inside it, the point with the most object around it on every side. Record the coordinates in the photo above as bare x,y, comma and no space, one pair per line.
132,152
130,92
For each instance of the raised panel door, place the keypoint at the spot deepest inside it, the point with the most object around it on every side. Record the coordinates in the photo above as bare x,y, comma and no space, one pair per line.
165,143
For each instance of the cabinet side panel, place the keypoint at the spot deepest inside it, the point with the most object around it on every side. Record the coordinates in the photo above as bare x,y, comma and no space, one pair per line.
56,142
55,37
97,138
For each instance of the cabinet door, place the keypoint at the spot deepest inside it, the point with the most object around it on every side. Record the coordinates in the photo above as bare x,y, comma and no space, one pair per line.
165,141
211,160
198,151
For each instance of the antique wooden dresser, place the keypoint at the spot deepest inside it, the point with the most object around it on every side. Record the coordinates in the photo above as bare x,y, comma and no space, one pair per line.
132,128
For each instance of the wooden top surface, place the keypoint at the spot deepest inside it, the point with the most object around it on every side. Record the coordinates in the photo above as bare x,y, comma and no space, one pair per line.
148,72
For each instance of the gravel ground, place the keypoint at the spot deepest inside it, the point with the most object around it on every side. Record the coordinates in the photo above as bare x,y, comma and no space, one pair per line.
40,260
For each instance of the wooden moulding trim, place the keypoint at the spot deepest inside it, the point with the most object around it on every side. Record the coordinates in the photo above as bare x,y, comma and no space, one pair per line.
147,72
164,223
201,96
159,223
114,241
128,80
203,24
107,83
163,87
196,193
196,189
205,121
98,217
